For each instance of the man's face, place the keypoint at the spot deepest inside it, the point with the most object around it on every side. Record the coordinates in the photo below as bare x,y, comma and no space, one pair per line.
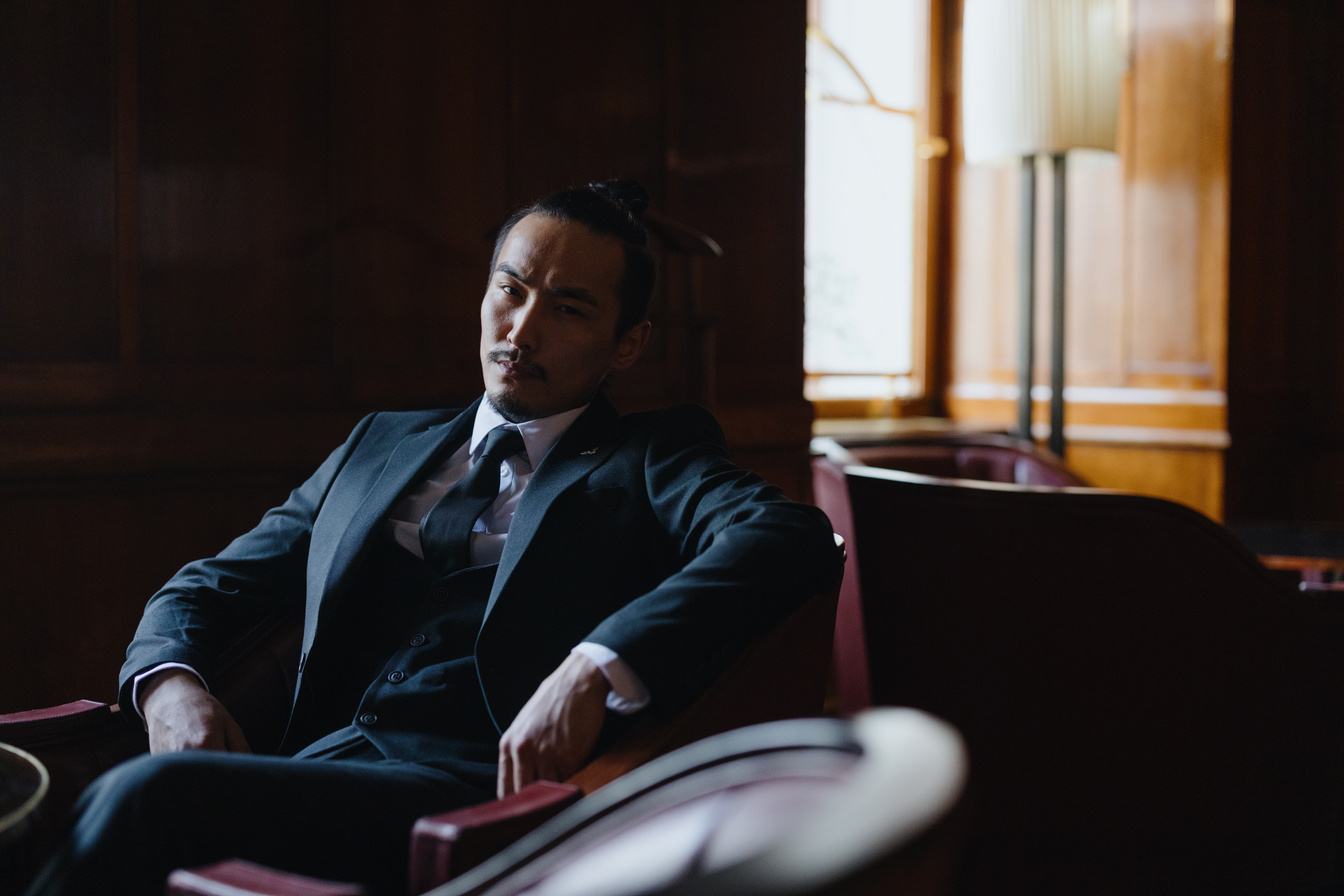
548,320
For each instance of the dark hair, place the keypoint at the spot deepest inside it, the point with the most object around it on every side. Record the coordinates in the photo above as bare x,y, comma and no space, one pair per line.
611,208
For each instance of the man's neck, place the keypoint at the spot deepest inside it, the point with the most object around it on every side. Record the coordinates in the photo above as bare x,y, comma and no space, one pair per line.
539,435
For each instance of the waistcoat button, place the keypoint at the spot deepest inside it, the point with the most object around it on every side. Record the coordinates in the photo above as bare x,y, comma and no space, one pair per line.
439,593
368,719
396,677
417,640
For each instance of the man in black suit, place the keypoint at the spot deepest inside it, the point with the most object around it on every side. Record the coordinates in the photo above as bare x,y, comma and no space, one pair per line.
618,563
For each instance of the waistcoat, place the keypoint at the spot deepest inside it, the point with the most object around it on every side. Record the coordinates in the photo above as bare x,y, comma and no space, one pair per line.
397,663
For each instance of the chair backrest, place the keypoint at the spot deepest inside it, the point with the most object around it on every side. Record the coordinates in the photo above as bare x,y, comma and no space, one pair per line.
802,806
1147,709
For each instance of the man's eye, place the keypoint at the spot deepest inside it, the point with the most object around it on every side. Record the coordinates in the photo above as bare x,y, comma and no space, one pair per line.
569,309
510,289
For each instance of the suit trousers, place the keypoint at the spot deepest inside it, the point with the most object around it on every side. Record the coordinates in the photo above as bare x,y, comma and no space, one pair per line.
345,814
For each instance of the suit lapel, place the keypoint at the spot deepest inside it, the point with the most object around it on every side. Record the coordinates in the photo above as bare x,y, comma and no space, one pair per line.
585,446
413,458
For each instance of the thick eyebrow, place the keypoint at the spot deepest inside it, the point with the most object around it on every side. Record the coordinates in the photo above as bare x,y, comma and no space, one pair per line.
576,293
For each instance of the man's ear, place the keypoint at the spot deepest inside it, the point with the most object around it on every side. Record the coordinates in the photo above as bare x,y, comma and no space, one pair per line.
630,345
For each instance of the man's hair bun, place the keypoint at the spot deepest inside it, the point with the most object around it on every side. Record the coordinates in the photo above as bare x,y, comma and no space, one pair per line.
628,194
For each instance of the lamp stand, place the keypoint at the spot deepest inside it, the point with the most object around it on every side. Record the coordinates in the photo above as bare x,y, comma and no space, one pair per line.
1026,343
1026,274
1057,311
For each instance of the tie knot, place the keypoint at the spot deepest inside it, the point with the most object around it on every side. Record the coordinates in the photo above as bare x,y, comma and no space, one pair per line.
502,443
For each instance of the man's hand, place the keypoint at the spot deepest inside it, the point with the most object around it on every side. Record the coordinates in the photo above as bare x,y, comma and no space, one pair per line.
557,727
182,715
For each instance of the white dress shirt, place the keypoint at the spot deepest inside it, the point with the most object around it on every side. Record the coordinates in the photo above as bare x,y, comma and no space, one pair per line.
490,532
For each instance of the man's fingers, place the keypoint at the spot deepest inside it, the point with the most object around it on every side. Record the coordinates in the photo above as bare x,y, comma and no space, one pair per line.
557,727
522,775
522,764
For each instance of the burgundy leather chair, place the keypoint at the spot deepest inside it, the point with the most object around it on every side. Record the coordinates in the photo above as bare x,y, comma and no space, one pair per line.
990,457
808,806
781,676
1147,708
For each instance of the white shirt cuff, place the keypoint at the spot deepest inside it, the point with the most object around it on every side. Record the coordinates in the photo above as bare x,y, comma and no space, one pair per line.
161,667
628,694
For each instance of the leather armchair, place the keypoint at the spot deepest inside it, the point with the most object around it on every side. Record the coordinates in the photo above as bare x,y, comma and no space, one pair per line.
781,676
1148,708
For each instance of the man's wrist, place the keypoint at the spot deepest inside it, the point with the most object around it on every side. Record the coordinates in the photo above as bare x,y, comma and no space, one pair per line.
148,681
628,693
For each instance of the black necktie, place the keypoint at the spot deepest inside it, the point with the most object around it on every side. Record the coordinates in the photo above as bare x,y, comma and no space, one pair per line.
445,532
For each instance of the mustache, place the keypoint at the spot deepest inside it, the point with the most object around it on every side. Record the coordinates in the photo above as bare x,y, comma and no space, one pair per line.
517,359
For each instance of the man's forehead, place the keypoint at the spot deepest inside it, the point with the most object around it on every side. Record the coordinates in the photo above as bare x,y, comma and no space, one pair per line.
561,253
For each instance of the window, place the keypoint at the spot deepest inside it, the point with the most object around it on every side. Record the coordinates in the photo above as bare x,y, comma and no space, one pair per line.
867,198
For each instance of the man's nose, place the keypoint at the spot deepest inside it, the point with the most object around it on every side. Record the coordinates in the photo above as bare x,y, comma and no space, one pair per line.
523,326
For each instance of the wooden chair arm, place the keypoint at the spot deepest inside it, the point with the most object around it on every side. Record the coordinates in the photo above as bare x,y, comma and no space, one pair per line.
443,846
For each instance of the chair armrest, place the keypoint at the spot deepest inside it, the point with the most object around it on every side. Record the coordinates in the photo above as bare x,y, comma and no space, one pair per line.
76,742
443,846
80,739
238,878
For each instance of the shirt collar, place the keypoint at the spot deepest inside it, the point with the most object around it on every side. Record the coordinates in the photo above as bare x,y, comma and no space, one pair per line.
539,436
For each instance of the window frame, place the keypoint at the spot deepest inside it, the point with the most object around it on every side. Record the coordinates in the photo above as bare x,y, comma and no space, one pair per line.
911,394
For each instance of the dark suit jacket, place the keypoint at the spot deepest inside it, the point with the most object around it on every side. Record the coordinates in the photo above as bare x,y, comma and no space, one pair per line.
635,532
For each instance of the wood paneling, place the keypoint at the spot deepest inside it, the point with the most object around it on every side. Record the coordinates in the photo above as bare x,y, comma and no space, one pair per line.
1176,195
1286,377
227,230
81,557
233,183
421,156
1191,476
1146,287
57,302
746,192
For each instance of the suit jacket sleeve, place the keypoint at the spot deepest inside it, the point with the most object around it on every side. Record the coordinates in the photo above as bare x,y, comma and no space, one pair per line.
208,602
749,557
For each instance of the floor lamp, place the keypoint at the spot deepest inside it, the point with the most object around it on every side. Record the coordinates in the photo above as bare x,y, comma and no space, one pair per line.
1040,77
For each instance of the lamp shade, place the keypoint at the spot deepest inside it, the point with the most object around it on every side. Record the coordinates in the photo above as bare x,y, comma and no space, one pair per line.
1039,76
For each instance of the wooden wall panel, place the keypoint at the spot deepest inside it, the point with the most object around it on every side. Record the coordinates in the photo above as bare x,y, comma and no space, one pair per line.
1176,162
987,220
1286,377
81,557
1095,328
57,303
735,156
588,77
233,183
421,145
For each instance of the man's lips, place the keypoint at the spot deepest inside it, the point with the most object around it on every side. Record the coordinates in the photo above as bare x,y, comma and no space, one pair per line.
516,367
